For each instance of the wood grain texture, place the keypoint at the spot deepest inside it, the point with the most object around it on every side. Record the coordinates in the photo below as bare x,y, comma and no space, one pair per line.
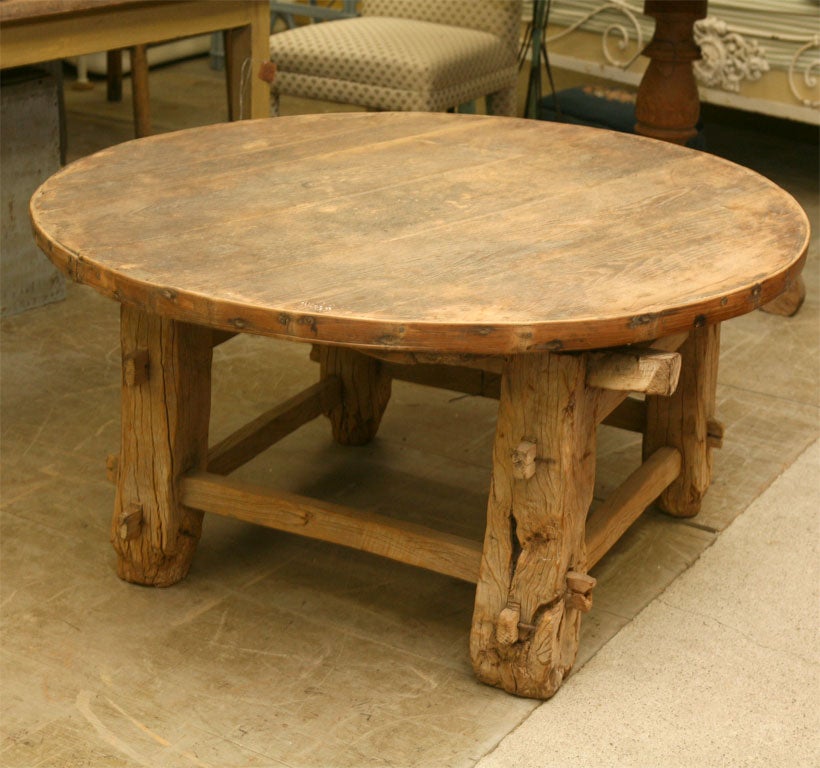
683,421
627,502
365,391
647,371
165,433
425,232
535,526
273,425
395,539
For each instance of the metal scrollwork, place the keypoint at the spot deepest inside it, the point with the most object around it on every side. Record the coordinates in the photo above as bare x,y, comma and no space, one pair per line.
809,74
619,30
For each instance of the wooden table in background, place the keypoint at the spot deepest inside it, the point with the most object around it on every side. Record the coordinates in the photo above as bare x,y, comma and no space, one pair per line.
33,31
554,267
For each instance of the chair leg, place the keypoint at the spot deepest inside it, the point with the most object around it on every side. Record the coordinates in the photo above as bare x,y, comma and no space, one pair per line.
503,102
113,75
139,90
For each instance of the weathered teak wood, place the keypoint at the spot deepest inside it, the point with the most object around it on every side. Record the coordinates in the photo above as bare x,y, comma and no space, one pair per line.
395,539
565,252
625,504
535,526
470,381
655,373
164,433
452,250
365,390
631,415
790,301
683,420
267,429
483,363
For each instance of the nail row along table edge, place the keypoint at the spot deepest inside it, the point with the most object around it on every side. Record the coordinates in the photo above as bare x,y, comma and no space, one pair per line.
555,267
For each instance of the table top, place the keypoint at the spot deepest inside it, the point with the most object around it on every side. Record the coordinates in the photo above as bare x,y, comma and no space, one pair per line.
449,233
13,10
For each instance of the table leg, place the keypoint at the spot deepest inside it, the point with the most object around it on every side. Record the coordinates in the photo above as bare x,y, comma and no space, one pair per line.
165,413
683,421
532,581
366,389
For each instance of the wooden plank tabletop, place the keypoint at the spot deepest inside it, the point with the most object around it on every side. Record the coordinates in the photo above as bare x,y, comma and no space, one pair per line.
16,10
452,233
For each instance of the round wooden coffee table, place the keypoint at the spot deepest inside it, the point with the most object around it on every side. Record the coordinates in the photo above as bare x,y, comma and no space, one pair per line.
557,268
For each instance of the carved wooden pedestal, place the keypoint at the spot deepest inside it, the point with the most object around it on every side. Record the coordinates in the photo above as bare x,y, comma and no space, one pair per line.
668,105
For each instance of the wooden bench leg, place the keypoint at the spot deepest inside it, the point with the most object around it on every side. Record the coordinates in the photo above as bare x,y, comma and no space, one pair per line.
166,402
532,584
683,421
365,393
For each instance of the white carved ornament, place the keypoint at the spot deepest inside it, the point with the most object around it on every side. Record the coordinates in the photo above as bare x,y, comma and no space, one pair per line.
728,57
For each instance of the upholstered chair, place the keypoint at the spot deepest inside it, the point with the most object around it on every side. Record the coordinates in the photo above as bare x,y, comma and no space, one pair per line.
405,55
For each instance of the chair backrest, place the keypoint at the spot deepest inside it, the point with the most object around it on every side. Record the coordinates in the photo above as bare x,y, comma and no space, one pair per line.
499,17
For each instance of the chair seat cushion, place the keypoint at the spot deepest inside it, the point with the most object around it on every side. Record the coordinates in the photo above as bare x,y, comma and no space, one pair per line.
397,54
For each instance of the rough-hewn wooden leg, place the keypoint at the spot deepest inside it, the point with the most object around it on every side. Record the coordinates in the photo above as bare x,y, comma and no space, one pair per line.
365,393
790,301
166,399
683,421
532,585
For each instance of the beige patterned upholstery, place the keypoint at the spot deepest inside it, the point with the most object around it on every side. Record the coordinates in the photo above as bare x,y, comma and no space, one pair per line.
405,55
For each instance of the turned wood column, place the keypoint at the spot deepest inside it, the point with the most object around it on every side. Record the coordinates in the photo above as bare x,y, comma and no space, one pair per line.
532,584
668,105
166,399
684,420
366,389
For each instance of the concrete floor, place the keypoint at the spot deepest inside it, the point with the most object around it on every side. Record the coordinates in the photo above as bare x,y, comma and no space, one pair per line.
278,651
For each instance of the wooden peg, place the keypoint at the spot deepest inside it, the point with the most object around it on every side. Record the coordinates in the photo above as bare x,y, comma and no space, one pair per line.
112,467
580,582
578,601
130,522
135,366
523,460
714,433
506,628
579,588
